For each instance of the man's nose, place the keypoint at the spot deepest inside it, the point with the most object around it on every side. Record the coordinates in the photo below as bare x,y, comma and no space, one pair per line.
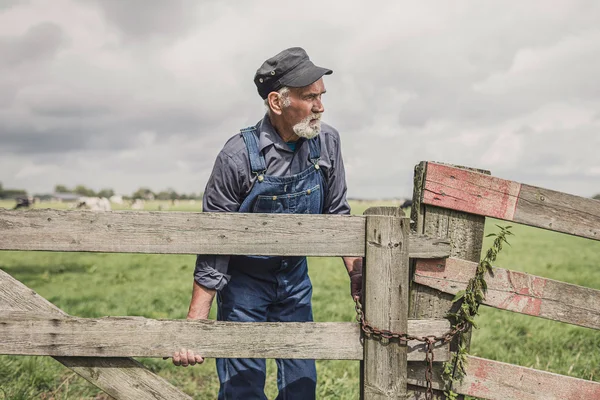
318,106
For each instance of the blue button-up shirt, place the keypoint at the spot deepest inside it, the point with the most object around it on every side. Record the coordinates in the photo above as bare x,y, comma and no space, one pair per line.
232,180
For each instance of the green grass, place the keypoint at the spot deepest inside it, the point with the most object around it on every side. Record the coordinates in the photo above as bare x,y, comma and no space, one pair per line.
159,286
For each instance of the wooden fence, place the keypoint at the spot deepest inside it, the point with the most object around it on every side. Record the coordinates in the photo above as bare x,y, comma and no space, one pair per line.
438,255
98,349
451,202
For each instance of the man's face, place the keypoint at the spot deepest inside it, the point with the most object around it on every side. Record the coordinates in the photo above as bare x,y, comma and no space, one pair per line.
304,112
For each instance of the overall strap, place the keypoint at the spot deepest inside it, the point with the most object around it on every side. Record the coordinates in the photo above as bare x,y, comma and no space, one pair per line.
315,150
315,156
257,160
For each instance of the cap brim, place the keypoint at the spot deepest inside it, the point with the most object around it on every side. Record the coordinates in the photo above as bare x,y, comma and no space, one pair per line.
305,74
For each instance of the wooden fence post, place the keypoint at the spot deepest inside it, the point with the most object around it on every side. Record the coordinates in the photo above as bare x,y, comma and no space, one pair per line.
385,301
465,233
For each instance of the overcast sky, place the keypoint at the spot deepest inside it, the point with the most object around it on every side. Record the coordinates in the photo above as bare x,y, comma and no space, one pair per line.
123,94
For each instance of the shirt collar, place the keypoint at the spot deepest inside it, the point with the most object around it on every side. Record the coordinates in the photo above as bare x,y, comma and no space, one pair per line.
267,135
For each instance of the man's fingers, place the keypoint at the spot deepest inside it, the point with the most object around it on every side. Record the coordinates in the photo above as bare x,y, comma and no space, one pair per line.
191,358
184,359
177,358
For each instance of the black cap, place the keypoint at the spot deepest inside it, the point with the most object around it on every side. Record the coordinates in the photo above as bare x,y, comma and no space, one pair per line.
291,67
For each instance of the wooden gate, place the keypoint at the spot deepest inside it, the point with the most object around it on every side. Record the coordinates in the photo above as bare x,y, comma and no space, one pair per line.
452,202
97,348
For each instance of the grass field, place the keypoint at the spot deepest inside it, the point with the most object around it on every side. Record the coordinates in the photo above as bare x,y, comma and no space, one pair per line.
159,286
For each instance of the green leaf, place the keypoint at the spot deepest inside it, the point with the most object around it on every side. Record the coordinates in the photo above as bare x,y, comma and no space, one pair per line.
447,368
469,318
469,297
458,296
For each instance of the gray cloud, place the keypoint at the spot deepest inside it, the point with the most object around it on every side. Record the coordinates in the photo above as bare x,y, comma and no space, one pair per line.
143,20
38,43
6,4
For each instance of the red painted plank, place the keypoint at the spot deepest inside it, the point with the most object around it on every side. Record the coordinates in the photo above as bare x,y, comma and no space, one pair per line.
495,380
516,291
475,193
469,191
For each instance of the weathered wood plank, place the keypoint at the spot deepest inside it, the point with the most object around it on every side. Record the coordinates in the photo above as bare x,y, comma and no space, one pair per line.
516,291
560,212
463,190
476,193
193,233
422,246
31,334
183,233
463,230
385,294
121,378
494,380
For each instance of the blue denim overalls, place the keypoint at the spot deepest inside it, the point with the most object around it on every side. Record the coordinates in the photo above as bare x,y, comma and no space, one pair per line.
271,289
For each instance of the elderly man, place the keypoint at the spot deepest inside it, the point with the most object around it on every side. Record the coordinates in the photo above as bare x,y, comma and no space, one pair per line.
289,162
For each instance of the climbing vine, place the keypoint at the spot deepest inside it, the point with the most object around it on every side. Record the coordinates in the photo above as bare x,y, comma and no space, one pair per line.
467,303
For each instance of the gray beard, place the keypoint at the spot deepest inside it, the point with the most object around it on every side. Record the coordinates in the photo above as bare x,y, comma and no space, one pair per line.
305,130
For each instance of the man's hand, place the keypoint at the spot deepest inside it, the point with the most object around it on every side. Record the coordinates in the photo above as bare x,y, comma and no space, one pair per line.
199,309
354,265
186,357
356,284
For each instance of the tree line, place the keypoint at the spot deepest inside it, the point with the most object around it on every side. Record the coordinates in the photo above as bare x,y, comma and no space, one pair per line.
81,190
11,193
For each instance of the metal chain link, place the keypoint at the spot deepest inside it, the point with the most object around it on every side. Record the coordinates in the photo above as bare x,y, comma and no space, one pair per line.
385,336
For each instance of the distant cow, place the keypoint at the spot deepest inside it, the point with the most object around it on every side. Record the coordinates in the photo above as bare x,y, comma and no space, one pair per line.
93,203
116,199
407,203
23,202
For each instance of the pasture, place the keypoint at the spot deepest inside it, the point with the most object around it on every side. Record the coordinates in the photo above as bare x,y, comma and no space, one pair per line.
159,286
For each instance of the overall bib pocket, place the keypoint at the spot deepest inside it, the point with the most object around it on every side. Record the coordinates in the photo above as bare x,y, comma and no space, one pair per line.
288,203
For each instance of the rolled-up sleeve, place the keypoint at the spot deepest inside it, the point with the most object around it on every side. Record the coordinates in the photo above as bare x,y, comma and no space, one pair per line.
336,202
222,194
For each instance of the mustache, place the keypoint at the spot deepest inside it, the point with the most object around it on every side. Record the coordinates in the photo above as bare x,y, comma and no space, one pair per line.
312,116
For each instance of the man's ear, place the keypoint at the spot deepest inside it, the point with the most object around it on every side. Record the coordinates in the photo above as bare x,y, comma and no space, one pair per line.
275,103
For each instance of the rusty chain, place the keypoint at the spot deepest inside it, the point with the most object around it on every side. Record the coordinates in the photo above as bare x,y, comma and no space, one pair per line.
385,336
